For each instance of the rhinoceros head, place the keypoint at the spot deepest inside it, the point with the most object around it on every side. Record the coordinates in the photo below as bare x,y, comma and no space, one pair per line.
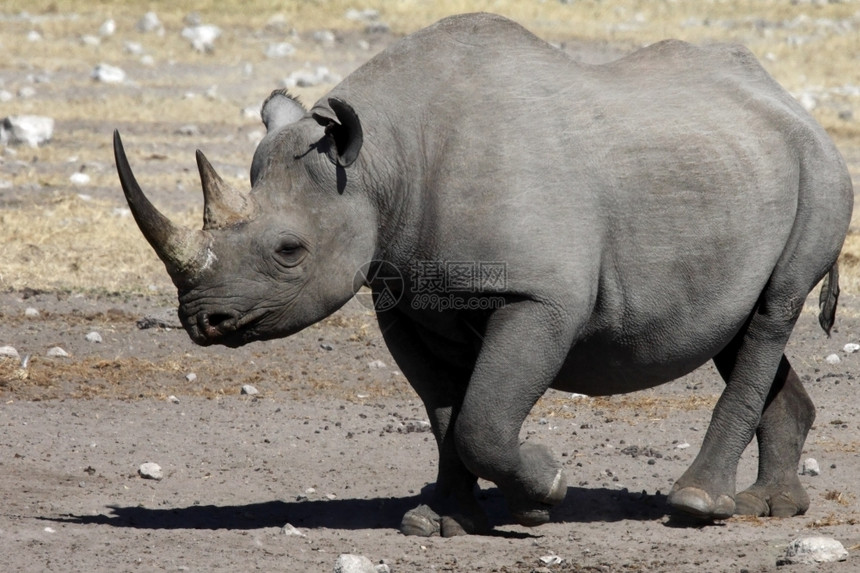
274,260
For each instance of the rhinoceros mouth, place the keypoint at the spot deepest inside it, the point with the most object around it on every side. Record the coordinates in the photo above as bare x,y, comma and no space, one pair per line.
226,328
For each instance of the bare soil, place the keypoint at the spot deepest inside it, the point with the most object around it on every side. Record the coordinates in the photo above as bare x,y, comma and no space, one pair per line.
332,444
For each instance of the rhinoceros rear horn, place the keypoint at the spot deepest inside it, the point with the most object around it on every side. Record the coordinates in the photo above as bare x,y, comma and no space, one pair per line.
180,249
344,130
223,205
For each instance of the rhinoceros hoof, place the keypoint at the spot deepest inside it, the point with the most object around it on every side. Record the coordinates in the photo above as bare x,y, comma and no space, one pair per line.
421,521
779,503
699,503
531,517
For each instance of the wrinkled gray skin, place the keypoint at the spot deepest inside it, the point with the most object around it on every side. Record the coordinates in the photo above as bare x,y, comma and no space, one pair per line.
654,213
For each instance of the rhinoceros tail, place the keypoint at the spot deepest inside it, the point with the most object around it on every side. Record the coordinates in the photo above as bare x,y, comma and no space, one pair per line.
827,299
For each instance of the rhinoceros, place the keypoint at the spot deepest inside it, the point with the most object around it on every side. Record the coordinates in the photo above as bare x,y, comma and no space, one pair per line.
532,222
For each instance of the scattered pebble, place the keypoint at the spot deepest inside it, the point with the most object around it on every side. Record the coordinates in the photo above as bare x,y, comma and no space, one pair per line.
108,28
94,337
833,359
280,50
9,352
150,23
173,399
249,390
202,37
150,470
349,563
33,130
31,312
551,560
108,74
79,178
34,36
309,78
810,467
324,37
191,377
57,352
851,348
326,346
812,550
376,364
682,446
291,531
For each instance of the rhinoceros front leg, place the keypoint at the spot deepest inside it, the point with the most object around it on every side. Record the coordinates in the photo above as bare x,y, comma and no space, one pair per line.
785,422
454,509
525,344
751,363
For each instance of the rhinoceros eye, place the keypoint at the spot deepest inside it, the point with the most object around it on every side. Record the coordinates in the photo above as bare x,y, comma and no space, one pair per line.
289,252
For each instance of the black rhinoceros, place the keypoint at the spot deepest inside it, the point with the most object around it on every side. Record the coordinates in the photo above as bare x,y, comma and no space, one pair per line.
591,228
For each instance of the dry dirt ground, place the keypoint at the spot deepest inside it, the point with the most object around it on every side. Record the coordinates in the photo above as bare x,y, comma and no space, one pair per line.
333,443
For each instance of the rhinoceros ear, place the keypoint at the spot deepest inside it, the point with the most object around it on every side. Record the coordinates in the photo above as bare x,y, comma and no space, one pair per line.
343,129
281,109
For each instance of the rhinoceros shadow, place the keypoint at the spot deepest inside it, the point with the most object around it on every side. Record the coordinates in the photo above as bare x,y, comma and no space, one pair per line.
582,505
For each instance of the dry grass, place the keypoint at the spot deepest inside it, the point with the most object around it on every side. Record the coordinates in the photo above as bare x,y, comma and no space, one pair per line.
68,244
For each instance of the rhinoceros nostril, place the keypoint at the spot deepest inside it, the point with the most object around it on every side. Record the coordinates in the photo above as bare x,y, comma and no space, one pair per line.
219,321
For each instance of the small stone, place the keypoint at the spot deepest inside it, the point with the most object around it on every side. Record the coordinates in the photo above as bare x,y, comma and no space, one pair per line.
326,346
832,359
108,28
249,390
291,531
173,399
9,352
94,337
682,446
324,37
191,377
348,563
376,364
851,348
34,36
33,130
57,352
133,48
280,50
108,74
202,37
79,178
150,23
31,312
812,550
810,467
551,560
150,470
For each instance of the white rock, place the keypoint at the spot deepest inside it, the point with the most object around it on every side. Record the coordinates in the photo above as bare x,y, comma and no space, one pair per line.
376,364
34,36
79,178
90,40
325,37
280,50
348,563
551,560
150,23
812,550
832,359
6,96
31,312
382,568
173,399
202,37
291,531
150,470
108,74
9,352
810,467
368,15
191,377
682,446
57,352
33,130
26,91
851,348
108,28
249,390
94,337
133,48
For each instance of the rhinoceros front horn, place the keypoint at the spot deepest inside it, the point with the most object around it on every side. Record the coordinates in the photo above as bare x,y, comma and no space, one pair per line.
182,250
